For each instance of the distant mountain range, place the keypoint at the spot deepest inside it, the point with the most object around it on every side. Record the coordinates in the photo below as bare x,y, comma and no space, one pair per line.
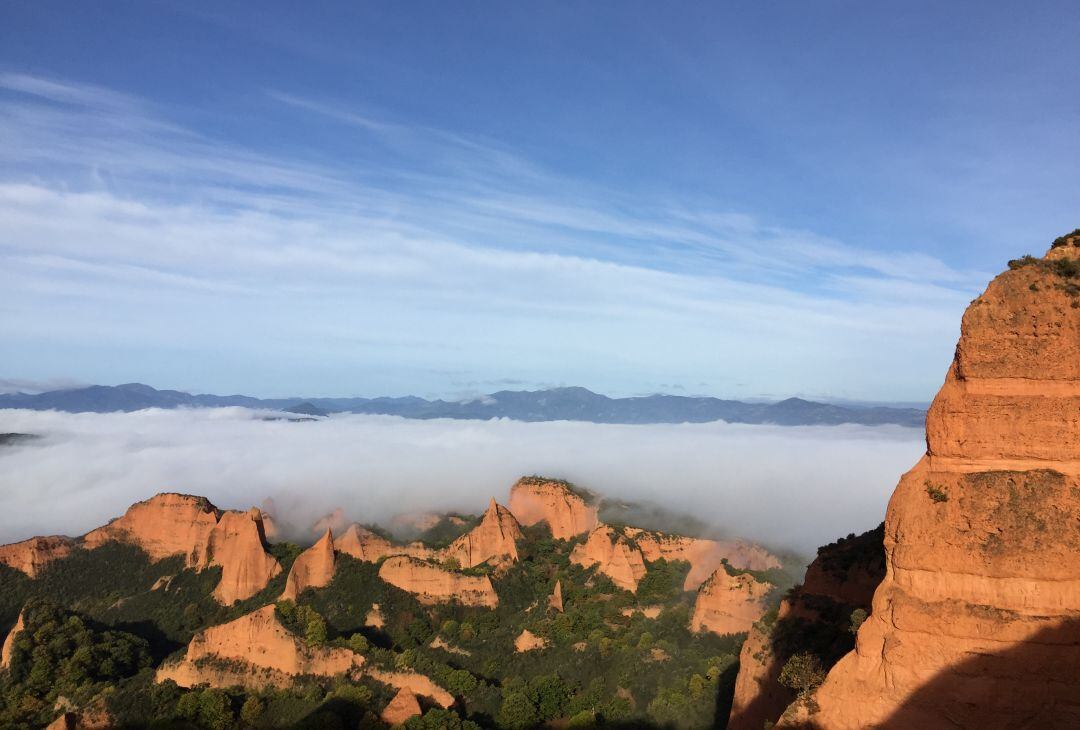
555,404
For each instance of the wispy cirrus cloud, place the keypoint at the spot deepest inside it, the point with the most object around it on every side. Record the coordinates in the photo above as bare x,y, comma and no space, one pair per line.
121,220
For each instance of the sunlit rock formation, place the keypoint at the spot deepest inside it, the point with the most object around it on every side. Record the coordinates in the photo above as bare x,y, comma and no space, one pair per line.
31,556
528,641
179,524
977,622
9,641
567,510
494,539
704,556
431,583
313,568
555,599
418,684
729,604
254,651
614,555
401,708
816,617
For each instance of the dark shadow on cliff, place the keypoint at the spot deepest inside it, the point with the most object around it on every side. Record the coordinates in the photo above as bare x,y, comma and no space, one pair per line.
1032,685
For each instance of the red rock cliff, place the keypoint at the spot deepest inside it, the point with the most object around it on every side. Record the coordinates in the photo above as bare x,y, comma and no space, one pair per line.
433,584
313,568
567,511
729,604
977,622
31,556
495,539
613,554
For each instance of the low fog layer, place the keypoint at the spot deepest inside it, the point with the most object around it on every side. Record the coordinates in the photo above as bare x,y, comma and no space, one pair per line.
795,487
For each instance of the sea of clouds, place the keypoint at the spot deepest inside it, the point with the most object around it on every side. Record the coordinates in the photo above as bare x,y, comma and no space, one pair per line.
795,487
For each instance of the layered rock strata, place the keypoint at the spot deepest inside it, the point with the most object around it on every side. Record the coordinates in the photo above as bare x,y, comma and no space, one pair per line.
977,622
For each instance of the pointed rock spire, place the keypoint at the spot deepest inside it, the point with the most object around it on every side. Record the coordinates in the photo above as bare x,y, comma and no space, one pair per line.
401,708
555,599
313,568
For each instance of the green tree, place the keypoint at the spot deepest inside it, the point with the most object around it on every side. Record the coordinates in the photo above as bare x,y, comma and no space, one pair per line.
251,710
215,710
802,673
359,643
517,712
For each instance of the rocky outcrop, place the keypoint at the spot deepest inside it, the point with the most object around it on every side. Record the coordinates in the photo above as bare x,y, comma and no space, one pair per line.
555,599
401,708
977,622
178,524
253,651
418,684
363,544
313,568
729,604
237,546
704,556
9,641
528,641
614,555
815,618
165,525
494,539
31,556
568,511
432,584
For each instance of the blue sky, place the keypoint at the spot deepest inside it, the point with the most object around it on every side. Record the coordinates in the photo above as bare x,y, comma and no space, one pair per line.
739,199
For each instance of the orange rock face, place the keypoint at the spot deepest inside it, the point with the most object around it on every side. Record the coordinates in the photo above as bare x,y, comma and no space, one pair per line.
30,556
164,525
729,604
401,708
237,545
253,651
566,512
9,642
613,554
179,524
704,556
528,641
432,584
363,544
555,599
977,622
841,579
313,568
494,539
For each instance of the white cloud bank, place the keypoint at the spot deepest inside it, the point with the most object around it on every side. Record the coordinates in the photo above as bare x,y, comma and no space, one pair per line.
796,487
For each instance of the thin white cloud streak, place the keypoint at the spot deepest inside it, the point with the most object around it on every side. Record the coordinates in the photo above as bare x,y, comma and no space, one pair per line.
795,487
118,222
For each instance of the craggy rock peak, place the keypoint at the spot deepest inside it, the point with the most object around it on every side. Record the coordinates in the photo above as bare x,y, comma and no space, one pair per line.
254,651
431,583
9,641
495,539
568,511
614,555
30,556
313,568
704,556
165,525
178,524
977,622
555,599
363,544
401,708
814,618
238,546
729,604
